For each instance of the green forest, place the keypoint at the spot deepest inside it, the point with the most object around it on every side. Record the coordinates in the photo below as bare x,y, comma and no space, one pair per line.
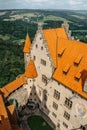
14,25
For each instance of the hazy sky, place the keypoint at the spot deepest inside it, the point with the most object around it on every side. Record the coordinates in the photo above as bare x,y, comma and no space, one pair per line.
43,4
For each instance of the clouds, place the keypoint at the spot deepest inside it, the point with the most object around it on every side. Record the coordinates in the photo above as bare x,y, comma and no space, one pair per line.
43,4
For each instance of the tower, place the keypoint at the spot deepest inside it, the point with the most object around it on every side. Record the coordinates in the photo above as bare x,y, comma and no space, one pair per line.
65,25
26,50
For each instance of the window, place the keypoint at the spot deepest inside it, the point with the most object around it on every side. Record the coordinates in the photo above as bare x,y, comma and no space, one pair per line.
34,57
60,52
66,69
68,103
40,38
34,93
77,60
43,62
65,125
54,114
42,48
30,93
45,97
39,92
44,79
66,115
56,94
77,76
55,106
36,46
58,125
45,106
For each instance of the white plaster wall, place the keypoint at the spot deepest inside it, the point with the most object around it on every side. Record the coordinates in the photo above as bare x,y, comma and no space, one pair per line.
75,121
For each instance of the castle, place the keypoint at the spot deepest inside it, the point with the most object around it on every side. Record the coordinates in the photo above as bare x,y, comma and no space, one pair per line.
55,78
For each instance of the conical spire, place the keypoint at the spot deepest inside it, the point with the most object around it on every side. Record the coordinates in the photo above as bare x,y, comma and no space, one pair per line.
31,70
27,44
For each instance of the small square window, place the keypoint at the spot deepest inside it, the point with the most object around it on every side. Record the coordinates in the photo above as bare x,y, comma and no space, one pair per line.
43,62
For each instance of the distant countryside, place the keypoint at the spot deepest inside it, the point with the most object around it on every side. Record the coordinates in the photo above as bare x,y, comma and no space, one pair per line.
14,24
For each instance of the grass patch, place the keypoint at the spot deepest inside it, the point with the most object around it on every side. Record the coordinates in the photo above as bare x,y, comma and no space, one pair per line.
5,37
51,17
38,123
79,17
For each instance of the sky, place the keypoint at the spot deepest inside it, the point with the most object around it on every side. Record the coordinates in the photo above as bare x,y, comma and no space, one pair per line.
44,4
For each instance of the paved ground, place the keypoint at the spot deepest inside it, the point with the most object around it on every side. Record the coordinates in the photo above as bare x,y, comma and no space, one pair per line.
25,125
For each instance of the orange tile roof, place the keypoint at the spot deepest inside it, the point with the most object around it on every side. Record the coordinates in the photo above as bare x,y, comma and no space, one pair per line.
31,70
27,44
51,37
5,123
11,109
74,52
9,88
3,111
65,53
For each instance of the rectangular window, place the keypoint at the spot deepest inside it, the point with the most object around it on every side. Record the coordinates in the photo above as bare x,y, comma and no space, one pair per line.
65,125
66,115
56,94
55,106
68,103
39,92
36,46
45,97
43,62
58,125
54,114
44,79
42,48
34,57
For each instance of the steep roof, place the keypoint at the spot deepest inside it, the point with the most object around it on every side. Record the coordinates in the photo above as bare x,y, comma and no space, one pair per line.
9,88
31,70
27,44
3,111
11,109
71,57
71,63
5,123
51,37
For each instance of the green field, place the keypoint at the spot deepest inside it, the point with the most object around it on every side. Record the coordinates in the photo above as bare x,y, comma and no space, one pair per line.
38,123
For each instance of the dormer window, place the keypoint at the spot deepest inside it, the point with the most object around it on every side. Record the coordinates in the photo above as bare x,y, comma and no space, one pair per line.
85,86
78,60
66,69
60,52
77,76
